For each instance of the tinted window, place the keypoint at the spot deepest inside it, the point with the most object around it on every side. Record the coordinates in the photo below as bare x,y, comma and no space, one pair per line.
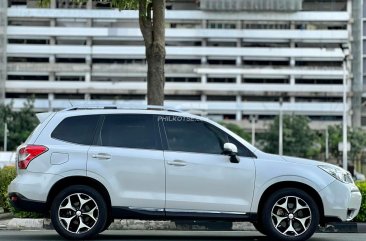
77,129
129,131
191,135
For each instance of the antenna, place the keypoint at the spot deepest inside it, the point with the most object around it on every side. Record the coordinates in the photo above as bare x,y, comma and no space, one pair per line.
70,103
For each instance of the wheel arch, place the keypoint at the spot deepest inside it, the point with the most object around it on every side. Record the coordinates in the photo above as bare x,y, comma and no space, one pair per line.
292,184
79,180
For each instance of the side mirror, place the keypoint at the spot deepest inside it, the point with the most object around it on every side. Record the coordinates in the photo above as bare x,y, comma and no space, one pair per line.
231,150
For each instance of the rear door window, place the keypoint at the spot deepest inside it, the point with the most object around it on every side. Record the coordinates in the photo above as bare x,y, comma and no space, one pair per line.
129,131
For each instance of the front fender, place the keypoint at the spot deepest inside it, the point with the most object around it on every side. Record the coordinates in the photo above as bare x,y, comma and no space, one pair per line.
259,190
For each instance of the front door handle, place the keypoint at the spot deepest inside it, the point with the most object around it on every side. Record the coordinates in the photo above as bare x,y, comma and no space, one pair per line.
104,156
177,163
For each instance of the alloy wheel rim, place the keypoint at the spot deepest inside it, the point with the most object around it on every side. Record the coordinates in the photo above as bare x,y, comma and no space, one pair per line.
78,213
291,216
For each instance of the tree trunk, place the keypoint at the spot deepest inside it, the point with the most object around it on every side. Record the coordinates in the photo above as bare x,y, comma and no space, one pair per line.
153,31
155,56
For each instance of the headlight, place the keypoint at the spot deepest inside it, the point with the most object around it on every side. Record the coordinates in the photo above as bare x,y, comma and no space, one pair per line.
338,173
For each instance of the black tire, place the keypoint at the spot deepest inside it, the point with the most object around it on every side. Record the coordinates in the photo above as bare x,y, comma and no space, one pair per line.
107,224
289,219
86,216
259,227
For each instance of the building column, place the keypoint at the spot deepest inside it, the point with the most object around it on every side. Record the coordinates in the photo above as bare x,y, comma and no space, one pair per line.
239,112
253,120
239,60
203,98
204,78
52,60
89,43
204,58
292,65
238,79
239,26
3,43
203,95
355,33
204,23
204,41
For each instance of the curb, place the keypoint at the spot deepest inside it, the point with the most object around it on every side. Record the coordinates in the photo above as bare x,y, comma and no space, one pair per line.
361,227
26,224
39,224
347,227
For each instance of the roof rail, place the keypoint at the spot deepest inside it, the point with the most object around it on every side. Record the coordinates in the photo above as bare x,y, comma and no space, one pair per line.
122,107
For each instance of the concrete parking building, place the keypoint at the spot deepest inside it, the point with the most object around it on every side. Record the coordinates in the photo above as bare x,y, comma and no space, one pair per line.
227,59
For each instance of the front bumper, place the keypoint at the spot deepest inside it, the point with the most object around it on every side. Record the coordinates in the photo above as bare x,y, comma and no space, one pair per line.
341,200
21,203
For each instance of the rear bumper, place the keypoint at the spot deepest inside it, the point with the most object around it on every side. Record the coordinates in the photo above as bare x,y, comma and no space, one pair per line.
21,203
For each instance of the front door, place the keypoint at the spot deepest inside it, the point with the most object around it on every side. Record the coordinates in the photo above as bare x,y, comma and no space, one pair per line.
199,177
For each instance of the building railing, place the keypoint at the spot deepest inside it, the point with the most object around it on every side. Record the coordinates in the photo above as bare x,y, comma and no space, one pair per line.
181,15
328,36
140,87
213,107
175,52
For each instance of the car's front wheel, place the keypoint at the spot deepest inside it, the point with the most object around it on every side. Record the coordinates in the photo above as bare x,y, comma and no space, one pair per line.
259,227
78,212
291,215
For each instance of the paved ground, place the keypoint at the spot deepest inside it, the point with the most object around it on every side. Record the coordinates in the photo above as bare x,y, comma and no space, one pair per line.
174,235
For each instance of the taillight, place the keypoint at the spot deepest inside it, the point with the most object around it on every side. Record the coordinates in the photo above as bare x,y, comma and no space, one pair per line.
28,153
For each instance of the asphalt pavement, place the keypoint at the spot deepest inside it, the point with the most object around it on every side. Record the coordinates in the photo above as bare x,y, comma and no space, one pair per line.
174,235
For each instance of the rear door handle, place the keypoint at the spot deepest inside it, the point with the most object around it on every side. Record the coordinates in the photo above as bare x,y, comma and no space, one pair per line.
102,156
179,163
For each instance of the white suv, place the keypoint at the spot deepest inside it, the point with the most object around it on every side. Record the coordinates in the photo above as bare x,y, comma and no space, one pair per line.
87,166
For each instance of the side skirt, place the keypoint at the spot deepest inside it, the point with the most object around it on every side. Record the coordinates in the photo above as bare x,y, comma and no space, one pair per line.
170,214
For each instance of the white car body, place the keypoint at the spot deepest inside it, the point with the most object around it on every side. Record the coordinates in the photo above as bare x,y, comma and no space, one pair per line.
180,184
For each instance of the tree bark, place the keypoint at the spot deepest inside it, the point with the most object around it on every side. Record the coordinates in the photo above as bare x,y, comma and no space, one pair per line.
153,31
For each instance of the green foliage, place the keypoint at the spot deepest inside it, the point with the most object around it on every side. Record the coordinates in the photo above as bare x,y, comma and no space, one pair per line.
7,174
298,139
20,124
237,130
361,217
123,4
335,136
356,137
22,214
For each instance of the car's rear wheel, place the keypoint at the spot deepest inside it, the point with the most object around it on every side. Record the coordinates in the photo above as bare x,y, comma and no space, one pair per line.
79,212
291,215
107,224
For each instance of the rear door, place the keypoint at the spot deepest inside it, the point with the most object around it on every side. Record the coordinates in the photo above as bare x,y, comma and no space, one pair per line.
127,154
